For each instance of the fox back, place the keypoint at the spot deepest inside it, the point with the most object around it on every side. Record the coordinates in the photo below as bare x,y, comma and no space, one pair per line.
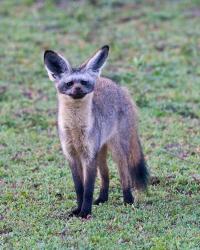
96,115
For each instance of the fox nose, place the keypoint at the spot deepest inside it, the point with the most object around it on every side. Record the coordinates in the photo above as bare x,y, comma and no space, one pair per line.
77,90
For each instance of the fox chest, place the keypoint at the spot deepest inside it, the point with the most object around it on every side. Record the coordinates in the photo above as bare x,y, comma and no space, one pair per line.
75,141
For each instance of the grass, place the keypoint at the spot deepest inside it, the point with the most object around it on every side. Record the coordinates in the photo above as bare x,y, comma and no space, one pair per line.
155,52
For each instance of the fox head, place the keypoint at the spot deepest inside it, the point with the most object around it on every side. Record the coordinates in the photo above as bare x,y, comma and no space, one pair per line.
75,82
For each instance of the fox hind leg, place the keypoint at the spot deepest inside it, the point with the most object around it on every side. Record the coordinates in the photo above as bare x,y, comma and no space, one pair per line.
104,175
119,156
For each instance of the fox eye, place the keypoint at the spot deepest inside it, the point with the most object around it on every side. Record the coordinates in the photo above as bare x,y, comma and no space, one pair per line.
69,84
84,82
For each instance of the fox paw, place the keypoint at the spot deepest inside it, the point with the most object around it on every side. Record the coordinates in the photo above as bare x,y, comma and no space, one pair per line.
99,200
85,215
75,212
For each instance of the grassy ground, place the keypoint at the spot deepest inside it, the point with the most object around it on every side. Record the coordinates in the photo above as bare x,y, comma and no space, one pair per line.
155,52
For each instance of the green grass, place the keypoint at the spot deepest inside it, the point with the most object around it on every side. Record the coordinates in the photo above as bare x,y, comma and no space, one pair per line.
155,51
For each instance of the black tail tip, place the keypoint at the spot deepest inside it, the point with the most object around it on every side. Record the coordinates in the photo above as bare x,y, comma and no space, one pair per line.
105,47
140,175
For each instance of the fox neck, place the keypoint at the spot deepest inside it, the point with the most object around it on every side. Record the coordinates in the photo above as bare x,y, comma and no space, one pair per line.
75,114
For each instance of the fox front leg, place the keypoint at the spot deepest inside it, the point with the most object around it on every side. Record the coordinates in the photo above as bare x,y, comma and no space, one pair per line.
77,175
90,170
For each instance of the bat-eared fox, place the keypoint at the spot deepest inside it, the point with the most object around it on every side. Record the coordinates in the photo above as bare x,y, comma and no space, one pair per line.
95,115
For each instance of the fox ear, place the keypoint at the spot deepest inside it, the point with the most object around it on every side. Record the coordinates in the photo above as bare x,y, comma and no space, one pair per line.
55,64
97,61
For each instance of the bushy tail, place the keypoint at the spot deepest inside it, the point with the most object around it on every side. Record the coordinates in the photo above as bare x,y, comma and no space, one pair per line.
137,167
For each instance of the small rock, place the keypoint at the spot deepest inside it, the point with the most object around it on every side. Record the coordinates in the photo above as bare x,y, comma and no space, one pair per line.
196,177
